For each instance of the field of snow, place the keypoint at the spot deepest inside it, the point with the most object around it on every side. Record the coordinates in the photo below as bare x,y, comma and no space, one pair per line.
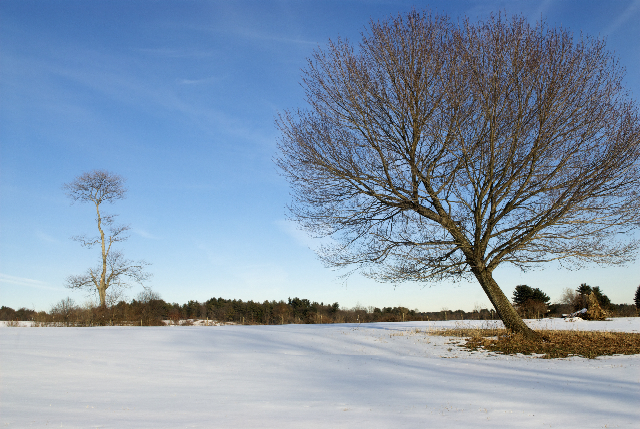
383,375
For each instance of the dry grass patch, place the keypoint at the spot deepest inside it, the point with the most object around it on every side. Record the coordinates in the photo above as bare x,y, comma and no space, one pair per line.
554,344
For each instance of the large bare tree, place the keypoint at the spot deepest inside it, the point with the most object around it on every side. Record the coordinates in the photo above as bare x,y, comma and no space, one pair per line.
434,150
114,271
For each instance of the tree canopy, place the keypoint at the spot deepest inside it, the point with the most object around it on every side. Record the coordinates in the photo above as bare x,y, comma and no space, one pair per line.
434,150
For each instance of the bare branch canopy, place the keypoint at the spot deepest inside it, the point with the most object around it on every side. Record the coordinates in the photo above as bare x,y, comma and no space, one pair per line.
435,150
97,186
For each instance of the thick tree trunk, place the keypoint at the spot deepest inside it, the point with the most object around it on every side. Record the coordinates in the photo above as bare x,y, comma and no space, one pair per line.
511,319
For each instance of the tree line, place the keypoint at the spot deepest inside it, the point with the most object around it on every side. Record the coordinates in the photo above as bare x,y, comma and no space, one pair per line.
148,309
156,312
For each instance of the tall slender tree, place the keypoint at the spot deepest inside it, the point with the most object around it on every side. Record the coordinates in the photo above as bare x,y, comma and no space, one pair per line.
435,150
114,271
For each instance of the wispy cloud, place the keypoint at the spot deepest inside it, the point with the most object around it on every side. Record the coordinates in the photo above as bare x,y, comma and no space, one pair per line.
214,256
118,84
144,234
256,35
23,281
542,10
46,237
263,275
176,53
629,12
197,81
299,236
239,28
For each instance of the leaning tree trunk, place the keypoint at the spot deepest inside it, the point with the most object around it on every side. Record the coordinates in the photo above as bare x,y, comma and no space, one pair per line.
511,319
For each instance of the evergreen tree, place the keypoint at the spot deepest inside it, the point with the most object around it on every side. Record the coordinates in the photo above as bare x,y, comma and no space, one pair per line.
524,293
584,289
530,302
637,298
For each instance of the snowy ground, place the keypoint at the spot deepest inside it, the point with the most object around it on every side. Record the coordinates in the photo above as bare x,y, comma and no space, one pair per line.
382,375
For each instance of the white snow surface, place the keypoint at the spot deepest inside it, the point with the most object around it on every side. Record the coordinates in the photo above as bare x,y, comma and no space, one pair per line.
382,375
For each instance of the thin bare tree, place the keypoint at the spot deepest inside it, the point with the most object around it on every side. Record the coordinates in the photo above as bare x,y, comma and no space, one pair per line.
434,150
114,271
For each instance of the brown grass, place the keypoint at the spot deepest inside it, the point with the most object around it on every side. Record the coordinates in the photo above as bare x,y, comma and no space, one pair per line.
555,344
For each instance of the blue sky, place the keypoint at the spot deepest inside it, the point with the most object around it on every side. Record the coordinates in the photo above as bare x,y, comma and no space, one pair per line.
179,97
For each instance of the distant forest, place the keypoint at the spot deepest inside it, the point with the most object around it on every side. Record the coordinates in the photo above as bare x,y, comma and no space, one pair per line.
150,310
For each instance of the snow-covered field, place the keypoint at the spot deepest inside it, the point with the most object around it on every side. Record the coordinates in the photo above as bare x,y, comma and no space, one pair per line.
382,375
